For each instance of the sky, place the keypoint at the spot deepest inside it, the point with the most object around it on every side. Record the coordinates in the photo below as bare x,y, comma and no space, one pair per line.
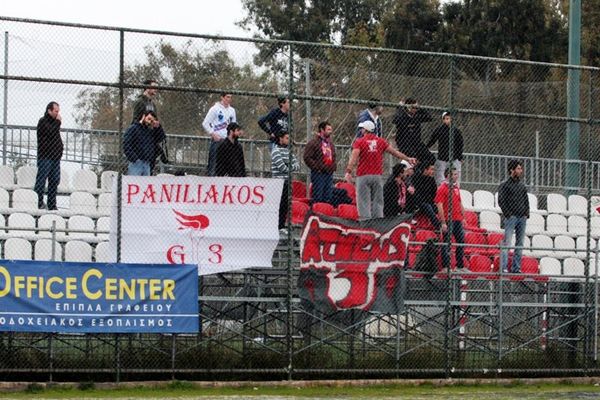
200,17
91,55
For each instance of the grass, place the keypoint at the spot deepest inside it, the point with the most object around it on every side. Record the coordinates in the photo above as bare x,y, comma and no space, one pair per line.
182,390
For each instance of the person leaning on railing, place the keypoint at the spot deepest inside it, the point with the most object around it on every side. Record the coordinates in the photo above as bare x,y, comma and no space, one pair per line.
139,144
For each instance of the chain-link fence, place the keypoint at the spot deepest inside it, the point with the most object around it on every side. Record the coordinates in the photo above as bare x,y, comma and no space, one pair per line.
477,321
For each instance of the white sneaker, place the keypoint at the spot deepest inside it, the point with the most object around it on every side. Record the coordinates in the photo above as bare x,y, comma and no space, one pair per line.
283,232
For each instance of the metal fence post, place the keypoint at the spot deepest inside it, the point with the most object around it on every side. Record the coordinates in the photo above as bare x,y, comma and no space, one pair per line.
5,111
290,244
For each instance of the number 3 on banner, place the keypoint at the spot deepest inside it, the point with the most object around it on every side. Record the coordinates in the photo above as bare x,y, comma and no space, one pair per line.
217,257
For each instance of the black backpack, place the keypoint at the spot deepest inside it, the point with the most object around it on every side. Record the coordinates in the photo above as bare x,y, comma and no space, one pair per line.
427,259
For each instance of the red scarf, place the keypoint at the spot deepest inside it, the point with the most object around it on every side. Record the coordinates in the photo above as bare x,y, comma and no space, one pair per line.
326,150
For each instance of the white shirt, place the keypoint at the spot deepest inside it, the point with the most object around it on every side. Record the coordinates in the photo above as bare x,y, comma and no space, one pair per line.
217,119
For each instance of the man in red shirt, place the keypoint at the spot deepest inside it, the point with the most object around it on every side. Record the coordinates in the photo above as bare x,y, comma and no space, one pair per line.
368,151
442,200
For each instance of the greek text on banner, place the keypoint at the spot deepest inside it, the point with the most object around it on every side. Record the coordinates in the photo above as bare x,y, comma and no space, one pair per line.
40,296
221,224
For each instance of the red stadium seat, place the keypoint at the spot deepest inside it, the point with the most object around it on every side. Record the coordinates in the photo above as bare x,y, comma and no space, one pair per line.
299,191
481,264
347,211
494,239
472,222
530,265
324,209
473,240
299,210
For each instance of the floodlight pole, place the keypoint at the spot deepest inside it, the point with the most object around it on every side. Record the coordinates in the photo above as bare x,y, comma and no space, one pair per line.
572,134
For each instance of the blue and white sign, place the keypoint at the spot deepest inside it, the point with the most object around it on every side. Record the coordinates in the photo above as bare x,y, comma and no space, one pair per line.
38,296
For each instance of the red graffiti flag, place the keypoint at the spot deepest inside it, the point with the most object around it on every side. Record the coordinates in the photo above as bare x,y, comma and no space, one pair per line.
348,265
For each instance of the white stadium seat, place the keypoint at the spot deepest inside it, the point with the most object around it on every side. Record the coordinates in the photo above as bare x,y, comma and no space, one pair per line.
564,246
556,203
103,224
82,203
550,266
581,246
577,205
45,226
102,253
533,205
104,203
82,223
4,199
85,181
106,180
484,201
64,186
25,200
574,268
21,220
78,251
43,250
490,220
577,225
535,224
542,246
17,249
556,224
7,177
466,199
26,176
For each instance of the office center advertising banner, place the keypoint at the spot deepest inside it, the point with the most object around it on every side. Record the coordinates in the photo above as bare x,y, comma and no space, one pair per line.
37,296
218,223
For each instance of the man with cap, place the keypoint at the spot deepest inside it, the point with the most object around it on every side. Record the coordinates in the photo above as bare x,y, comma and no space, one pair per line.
368,152
373,114
441,135
230,155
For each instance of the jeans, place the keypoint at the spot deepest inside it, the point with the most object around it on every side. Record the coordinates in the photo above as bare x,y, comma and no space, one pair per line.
369,196
139,168
459,236
211,169
50,170
440,167
430,212
512,225
322,186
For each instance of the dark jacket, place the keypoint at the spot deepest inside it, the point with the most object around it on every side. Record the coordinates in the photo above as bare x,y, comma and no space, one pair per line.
390,198
441,135
230,159
313,156
425,189
408,130
142,103
274,122
512,198
50,145
140,141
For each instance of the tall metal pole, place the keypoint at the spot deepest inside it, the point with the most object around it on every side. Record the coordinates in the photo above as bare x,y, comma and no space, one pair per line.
290,275
572,134
308,104
5,111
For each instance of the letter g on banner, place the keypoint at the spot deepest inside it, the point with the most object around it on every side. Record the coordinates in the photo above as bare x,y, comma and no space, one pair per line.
176,254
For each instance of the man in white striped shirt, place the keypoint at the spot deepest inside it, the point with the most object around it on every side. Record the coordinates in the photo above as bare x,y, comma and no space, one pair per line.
280,163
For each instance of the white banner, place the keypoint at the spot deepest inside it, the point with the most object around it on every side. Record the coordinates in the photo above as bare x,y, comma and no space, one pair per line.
221,224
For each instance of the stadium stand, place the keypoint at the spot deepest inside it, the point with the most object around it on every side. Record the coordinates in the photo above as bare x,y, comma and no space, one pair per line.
16,248
556,203
26,176
43,250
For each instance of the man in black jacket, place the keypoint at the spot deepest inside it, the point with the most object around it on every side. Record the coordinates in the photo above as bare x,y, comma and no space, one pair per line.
230,155
50,150
139,144
425,189
441,135
276,121
514,203
408,120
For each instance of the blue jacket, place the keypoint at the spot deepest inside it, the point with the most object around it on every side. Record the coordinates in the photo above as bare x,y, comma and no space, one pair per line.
140,142
366,116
